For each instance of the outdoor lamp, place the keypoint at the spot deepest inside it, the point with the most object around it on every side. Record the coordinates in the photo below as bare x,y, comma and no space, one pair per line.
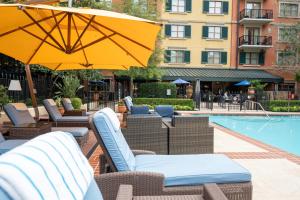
15,85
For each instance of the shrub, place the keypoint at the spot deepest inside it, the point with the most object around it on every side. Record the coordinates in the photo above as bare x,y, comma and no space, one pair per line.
157,90
4,99
285,109
76,103
179,104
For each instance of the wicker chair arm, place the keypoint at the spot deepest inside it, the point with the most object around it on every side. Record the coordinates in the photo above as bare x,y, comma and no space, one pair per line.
143,183
125,192
177,113
213,192
142,152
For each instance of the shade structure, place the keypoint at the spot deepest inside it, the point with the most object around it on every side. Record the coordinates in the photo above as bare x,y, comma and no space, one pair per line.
42,34
180,81
198,93
243,83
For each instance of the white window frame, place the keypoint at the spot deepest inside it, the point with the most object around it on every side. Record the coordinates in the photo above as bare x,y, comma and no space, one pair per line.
216,60
177,31
290,16
213,34
277,59
214,7
251,58
283,28
177,56
179,8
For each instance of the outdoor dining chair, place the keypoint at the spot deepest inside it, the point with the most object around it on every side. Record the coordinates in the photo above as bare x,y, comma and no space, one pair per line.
177,174
51,166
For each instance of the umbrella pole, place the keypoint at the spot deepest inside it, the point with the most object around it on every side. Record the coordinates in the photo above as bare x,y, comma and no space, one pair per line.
30,85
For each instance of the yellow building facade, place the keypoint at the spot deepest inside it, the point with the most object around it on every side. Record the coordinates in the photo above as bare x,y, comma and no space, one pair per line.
196,33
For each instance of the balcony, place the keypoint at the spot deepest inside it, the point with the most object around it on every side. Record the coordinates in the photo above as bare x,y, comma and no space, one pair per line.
256,16
255,42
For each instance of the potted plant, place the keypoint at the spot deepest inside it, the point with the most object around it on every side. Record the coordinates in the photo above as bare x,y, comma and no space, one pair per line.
58,104
251,90
121,107
189,91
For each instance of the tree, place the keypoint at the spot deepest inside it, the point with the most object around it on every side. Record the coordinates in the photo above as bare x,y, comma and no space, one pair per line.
145,9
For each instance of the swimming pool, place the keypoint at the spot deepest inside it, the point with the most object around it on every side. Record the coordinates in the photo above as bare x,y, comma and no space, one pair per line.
279,131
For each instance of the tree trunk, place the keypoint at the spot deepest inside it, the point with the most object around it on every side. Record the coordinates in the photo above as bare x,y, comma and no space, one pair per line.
131,87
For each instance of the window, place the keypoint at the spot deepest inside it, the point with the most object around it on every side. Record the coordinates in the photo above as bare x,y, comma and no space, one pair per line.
213,57
215,7
252,58
285,33
177,31
286,58
178,5
177,56
214,32
289,9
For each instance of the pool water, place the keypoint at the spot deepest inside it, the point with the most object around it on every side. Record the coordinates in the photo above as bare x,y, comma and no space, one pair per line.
279,131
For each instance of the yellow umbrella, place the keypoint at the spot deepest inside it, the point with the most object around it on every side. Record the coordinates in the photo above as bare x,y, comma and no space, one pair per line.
64,38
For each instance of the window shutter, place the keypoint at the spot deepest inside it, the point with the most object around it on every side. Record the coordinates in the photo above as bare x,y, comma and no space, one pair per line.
187,56
168,30
261,58
205,6
204,31
224,32
187,31
204,57
225,7
188,5
168,5
167,56
224,58
242,58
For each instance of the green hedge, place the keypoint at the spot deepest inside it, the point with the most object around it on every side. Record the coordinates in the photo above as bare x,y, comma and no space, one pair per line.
157,90
179,104
285,109
284,103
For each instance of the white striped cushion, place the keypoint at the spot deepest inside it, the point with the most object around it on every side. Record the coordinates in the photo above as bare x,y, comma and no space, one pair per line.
50,166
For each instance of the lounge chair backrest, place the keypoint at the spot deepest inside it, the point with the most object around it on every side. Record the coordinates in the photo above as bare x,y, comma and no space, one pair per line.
18,113
50,166
107,126
128,102
52,109
67,104
164,110
2,139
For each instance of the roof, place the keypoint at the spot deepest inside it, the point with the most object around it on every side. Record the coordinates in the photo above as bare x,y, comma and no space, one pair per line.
221,75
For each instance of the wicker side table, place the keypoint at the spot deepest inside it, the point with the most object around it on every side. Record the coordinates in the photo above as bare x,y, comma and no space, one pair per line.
29,131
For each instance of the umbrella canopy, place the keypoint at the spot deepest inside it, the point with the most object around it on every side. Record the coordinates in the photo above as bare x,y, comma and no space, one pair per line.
180,81
243,83
87,38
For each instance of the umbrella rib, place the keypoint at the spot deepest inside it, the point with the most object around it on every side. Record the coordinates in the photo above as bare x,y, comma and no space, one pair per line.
115,42
43,40
25,26
80,43
116,33
43,29
61,35
57,66
82,33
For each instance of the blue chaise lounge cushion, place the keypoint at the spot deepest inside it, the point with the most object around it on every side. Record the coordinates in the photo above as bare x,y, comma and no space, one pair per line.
139,110
193,169
164,110
108,127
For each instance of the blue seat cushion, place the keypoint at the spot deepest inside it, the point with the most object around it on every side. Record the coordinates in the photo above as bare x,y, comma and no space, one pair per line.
139,110
164,110
75,131
93,192
8,145
180,170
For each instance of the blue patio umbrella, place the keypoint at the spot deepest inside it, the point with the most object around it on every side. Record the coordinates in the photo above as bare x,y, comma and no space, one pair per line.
180,81
243,83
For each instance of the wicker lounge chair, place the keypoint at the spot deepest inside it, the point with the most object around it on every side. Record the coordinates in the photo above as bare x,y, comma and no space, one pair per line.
167,174
60,171
7,145
24,125
70,111
190,135
64,121
146,132
132,109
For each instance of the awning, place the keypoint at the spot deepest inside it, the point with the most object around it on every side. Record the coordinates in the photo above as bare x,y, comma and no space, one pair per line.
220,75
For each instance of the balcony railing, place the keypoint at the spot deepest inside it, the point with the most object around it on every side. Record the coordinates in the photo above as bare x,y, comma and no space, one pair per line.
256,14
255,40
